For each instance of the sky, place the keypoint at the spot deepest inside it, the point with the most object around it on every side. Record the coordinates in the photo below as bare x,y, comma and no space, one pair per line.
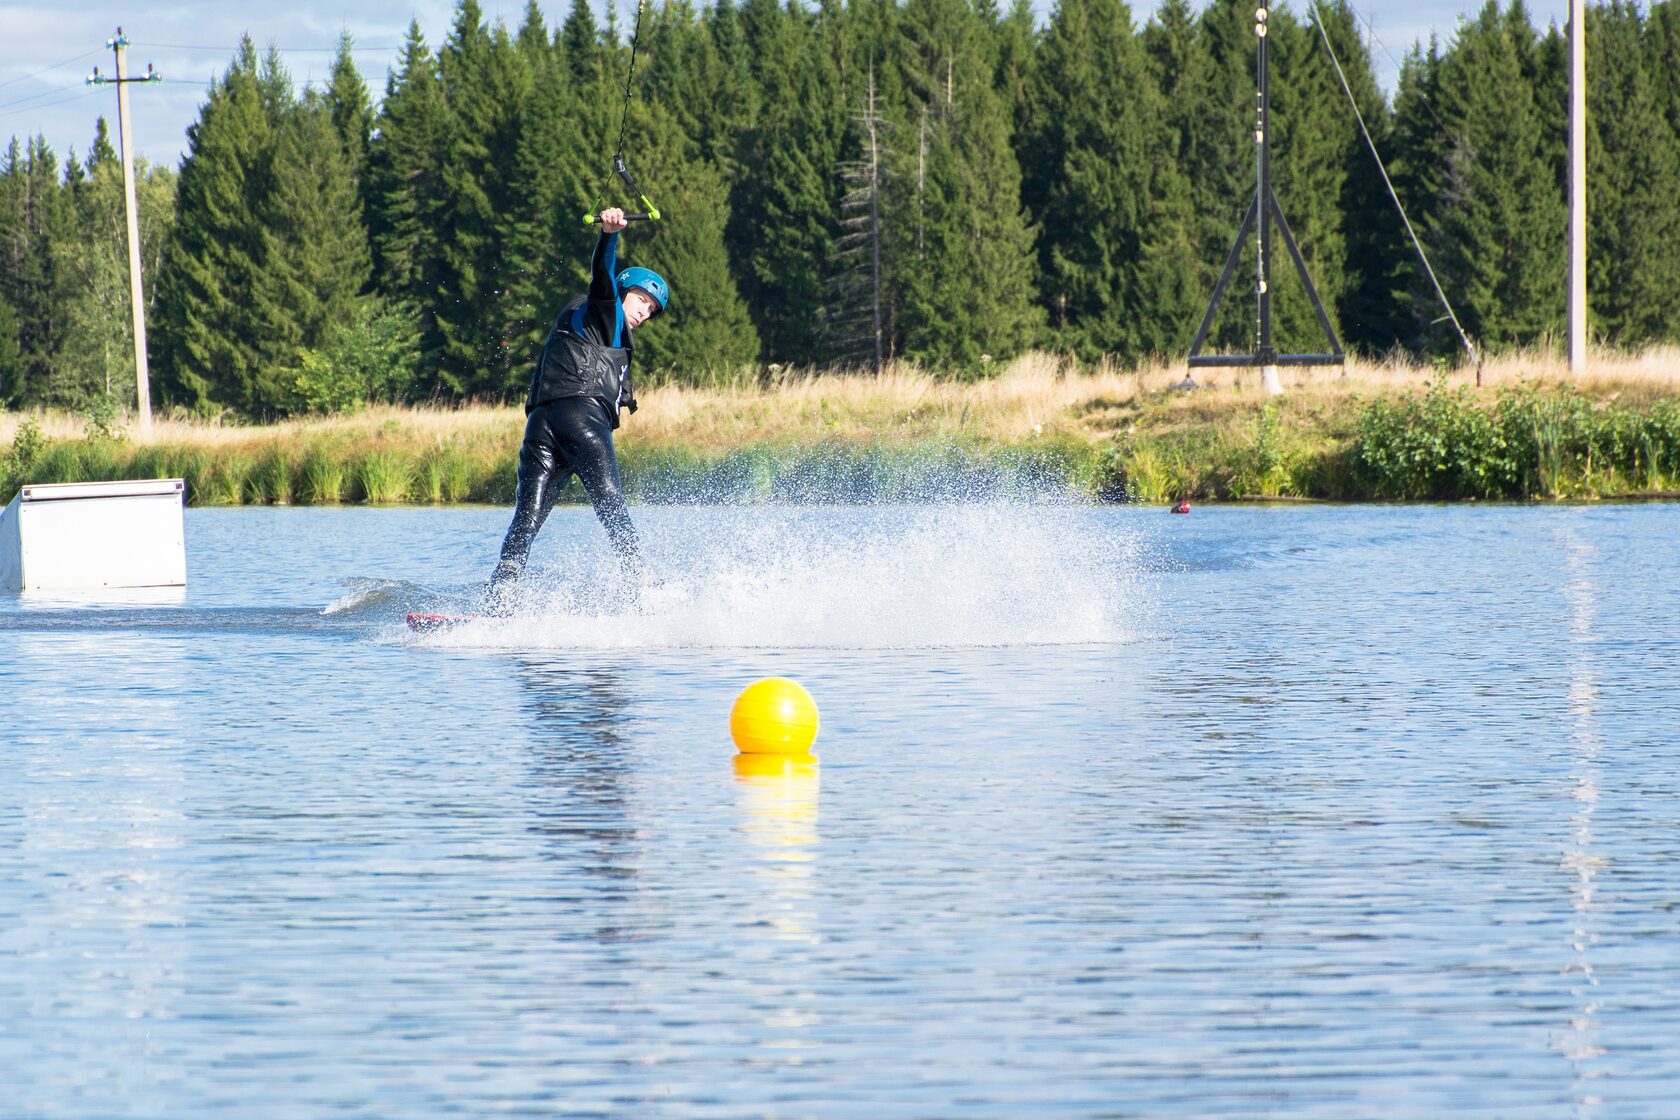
46,52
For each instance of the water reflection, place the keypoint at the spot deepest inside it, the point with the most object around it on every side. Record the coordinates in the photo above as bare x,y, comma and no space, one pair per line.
579,772
776,799
95,813
1582,857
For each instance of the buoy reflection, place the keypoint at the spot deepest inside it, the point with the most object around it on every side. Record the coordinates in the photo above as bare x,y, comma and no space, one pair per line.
777,796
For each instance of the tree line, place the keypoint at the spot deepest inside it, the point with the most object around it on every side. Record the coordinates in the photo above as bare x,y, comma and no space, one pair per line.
842,181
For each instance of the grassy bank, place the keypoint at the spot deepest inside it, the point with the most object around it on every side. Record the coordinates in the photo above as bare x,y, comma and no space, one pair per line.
1374,431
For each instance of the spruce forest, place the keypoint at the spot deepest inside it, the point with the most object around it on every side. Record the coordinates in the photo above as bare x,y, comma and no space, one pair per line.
842,183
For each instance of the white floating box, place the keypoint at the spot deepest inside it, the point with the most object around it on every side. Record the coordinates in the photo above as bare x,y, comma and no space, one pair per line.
83,536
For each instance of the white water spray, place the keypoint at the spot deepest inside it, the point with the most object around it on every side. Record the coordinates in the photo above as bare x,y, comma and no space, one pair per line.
915,576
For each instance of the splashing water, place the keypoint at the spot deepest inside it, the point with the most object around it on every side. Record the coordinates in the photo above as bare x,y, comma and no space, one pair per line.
844,577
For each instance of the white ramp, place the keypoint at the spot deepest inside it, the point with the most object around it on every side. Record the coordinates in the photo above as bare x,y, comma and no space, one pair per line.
83,536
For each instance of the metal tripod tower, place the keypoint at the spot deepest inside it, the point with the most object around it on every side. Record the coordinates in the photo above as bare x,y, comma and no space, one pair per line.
1264,208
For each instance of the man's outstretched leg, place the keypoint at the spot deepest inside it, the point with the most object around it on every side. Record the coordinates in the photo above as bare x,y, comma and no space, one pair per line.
589,447
537,492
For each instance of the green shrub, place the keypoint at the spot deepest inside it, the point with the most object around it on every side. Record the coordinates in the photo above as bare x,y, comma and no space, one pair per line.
19,461
372,358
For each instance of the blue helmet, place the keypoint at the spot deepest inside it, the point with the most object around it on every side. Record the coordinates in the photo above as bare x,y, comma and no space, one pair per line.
648,281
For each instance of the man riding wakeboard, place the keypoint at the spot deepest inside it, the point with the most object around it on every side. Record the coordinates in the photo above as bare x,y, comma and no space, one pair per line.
580,385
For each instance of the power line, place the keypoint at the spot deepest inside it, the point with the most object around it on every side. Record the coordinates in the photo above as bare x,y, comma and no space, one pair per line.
1399,67
282,50
49,105
37,96
47,69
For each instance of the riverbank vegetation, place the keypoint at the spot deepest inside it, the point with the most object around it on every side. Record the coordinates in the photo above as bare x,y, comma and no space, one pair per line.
1040,425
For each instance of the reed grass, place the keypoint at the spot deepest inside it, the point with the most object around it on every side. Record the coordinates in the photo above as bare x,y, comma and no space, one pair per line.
1363,431
383,476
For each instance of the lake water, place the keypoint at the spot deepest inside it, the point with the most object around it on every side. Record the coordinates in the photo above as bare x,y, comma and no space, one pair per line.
1317,811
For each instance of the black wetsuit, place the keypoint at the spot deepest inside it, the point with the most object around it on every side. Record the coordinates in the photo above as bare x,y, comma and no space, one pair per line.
581,382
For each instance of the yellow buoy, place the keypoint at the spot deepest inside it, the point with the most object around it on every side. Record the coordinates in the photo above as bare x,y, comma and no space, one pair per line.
774,716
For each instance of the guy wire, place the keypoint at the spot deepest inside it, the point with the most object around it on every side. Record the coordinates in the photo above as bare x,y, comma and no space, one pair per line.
1469,349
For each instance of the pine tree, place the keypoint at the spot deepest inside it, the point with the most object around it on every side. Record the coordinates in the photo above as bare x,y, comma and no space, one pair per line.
97,359
404,193
352,112
1662,45
1115,209
1016,40
36,218
1213,118
486,84
314,251
209,352
965,287
1379,256
546,246
100,152
782,225
855,319
1497,238
1327,182
1418,169
532,39
11,357
709,331
1182,69
736,94
1633,166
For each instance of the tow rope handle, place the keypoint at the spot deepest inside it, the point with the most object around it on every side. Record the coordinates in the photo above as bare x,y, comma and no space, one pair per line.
652,212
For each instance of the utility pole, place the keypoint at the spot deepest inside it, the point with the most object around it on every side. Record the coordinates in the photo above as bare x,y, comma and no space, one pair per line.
1577,187
125,134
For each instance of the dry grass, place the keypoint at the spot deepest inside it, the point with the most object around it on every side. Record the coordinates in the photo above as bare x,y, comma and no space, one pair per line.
1034,395
375,424
1039,393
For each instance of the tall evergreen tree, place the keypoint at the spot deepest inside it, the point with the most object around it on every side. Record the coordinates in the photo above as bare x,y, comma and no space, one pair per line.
1217,142
965,285
97,357
1419,171
855,319
782,220
1353,237
314,250
352,112
1182,68
709,331
487,84
1633,166
1498,236
11,357
209,352
1115,208
35,217
403,189
1663,54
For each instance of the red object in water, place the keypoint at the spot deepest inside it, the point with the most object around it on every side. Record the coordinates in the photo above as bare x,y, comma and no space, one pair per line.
1182,507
